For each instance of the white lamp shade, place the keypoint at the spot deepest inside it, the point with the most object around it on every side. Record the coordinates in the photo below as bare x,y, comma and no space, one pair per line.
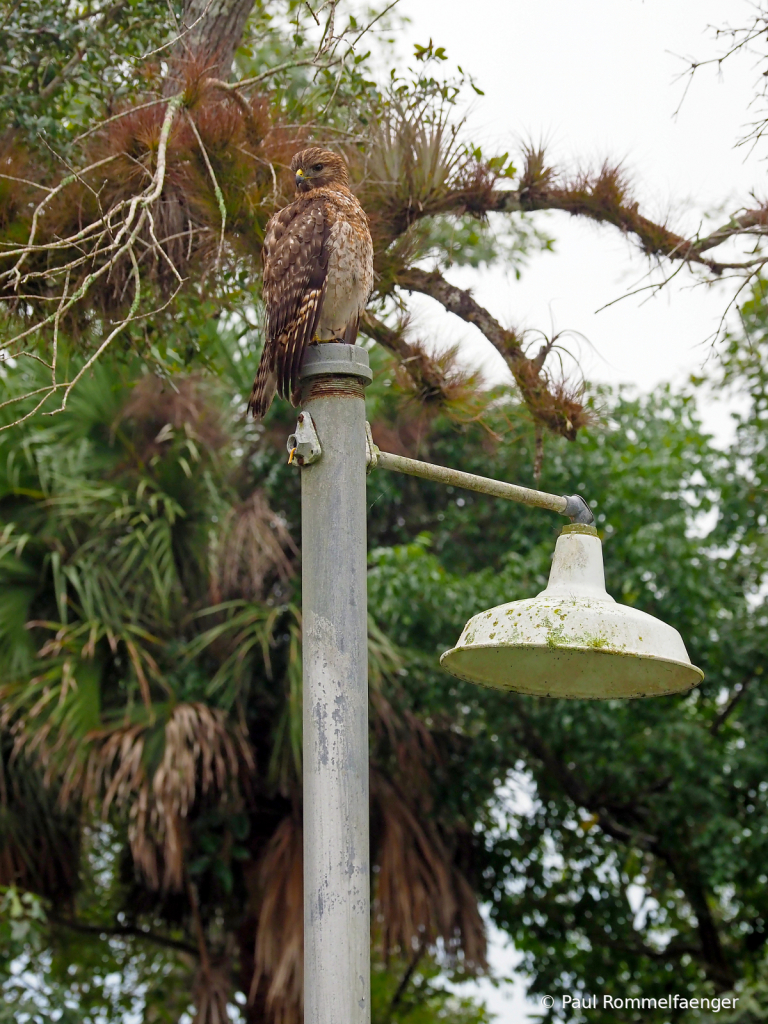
573,639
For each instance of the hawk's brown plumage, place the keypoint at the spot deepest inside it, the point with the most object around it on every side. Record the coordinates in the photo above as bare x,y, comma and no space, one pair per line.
318,273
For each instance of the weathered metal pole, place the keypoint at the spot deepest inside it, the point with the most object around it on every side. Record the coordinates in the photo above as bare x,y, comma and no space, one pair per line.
335,631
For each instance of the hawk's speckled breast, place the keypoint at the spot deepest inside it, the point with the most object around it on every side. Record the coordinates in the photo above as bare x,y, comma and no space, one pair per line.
350,265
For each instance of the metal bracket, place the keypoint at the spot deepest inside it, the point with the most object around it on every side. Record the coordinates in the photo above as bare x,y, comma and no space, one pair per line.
304,444
371,450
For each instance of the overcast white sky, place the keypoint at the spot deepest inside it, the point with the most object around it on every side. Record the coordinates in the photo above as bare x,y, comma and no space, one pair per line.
598,79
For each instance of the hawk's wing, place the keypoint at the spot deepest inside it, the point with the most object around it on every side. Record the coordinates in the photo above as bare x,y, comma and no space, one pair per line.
295,269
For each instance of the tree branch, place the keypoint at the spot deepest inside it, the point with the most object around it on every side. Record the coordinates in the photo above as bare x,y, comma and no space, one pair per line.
672,950
393,341
435,378
406,978
550,404
599,198
685,870
713,955
743,224
211,32
129,931
461,303
59,80
741,689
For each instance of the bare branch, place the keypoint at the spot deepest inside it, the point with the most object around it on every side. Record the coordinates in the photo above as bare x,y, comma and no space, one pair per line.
461,303
59,80
739,690
112,334
289,65
743,224
216,188
551,404
129,931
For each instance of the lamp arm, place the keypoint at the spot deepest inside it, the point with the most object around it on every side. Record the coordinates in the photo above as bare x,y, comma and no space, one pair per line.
573,506
304,446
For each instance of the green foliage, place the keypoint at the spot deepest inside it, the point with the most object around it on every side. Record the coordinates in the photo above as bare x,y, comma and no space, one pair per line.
117,536
632,821
424,1000
50,972
22,916
59,69
620,845
108,512
644,824
469,242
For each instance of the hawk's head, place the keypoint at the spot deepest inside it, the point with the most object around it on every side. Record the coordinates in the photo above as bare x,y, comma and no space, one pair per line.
315,168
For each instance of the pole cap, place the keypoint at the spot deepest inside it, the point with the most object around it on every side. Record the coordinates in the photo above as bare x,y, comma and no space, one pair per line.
330,358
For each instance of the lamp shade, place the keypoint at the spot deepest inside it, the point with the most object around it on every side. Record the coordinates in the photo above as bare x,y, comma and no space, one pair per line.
573,639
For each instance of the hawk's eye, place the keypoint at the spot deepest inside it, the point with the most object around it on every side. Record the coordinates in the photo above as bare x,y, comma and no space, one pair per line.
316,168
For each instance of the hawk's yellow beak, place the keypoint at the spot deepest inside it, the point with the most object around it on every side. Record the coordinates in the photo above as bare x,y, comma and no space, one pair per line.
300,177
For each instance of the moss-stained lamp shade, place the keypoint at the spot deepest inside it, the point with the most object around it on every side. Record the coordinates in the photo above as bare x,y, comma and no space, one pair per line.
573,639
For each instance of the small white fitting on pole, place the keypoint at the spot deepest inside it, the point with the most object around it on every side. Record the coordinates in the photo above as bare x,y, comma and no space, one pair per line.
335,652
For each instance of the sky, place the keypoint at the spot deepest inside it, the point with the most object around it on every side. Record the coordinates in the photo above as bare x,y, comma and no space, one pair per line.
600,79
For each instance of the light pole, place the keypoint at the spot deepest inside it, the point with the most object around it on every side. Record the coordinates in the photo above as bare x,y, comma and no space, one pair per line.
337,917
572,640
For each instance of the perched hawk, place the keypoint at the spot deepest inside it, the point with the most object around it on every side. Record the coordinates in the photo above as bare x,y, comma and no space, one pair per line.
318,273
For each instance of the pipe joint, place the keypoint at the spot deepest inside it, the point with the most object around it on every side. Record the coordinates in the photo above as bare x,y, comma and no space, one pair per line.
577,510
330,359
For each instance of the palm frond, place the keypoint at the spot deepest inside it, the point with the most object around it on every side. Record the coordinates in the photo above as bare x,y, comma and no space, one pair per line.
156,771
251,547
279,908
421,895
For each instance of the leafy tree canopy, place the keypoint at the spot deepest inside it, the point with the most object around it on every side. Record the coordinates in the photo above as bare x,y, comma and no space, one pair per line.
150,622
637,853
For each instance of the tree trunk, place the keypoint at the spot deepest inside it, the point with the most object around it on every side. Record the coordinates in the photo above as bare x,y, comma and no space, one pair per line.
211,32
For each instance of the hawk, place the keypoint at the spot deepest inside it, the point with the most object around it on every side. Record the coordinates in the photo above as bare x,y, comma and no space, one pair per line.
318,273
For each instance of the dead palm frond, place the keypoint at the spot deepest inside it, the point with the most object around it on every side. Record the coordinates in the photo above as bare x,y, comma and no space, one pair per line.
279,908
212,991
252,547
157,772
131,696
156,409
421,895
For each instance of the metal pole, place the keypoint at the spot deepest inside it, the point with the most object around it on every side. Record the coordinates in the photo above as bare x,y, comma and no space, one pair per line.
335,650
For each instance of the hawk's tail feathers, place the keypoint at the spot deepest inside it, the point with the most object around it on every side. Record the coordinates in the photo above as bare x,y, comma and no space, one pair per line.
264,388
351,330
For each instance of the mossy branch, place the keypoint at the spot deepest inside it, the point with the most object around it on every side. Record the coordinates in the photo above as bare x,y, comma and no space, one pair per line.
552,404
